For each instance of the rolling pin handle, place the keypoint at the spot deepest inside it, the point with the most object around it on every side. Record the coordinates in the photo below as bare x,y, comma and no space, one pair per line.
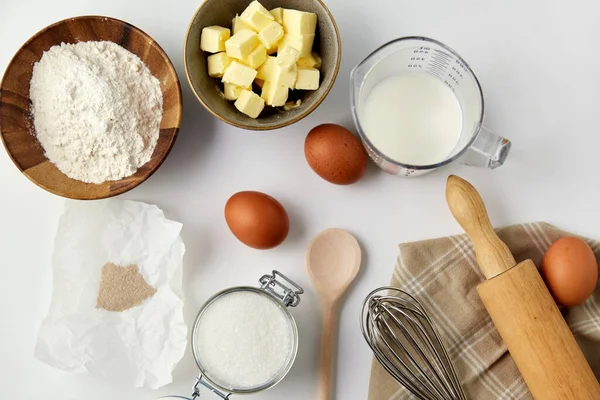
468,209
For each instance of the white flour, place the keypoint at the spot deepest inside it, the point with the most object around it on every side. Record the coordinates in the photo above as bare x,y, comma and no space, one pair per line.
96,110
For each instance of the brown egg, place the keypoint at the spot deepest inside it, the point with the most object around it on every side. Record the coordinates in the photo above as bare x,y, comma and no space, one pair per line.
335,154
570,271
257,220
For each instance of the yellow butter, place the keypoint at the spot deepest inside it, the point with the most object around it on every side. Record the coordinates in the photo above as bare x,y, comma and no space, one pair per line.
232,92
313,60
267,70
302,43
217,64
270,35
270,71
277,13
213,38
273,94
239,74
249,103
257,57
284,76
287,56
307,79
237,25
257,16
299,22
241,44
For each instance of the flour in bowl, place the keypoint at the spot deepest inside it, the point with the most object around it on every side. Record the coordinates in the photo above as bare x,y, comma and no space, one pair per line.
96,110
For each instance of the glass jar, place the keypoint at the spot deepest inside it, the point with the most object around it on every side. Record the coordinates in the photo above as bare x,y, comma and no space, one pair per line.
273,297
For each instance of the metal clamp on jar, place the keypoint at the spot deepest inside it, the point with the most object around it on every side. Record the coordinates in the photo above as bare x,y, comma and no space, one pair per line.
245,339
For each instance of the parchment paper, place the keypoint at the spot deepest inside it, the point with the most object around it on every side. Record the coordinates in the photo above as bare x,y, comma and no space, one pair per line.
140,345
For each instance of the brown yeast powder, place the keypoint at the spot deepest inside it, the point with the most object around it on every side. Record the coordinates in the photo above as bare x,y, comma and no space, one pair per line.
122,288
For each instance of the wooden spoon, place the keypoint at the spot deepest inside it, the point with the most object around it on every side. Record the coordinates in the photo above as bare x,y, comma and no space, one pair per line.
332,260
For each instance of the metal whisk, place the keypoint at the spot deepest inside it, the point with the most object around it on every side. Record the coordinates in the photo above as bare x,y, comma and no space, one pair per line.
405,342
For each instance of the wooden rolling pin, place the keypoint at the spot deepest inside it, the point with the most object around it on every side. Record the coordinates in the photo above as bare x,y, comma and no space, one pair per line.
515,296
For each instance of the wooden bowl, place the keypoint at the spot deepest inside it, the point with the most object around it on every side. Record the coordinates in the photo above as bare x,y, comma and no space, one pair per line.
16,127
209,90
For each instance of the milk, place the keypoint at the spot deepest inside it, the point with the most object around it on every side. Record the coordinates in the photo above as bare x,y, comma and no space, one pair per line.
412,118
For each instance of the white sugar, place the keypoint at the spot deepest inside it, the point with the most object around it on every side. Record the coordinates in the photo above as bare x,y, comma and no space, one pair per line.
244,340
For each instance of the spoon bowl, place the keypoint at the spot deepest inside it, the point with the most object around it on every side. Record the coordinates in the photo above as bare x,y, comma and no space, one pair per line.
333,261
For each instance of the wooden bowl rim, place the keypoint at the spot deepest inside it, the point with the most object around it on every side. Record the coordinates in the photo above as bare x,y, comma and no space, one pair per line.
175,129
309,110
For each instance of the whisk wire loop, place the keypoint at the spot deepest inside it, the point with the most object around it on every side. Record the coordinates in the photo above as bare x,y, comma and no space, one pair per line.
408,346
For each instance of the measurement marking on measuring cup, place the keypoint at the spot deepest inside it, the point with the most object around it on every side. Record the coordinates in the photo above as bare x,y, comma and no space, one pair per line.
441,54
461,65
440,61
442,57
453,77
439,69
458,73
440,66
435,73
449,85
444,67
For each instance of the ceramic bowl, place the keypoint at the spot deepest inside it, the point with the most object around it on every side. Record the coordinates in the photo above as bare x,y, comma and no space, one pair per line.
209,90
16,126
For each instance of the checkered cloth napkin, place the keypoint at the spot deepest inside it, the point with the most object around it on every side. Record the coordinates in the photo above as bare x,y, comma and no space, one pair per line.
442,274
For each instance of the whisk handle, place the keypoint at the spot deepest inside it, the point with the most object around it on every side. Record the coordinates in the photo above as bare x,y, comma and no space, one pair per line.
327,346
467,207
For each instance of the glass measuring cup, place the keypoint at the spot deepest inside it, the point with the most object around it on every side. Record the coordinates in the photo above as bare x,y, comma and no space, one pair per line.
276,289
476,146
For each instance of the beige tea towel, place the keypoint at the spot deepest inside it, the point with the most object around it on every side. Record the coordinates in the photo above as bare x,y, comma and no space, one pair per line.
442,274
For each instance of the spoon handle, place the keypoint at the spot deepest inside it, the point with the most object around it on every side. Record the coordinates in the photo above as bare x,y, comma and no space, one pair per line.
327,344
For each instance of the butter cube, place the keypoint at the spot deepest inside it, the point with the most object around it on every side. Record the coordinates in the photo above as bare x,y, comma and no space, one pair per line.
231,92
237,25
308,79
273,94
257,16
267,70
270,35
284,76
299,22
287,56
250,103
313,60
241,44
212,38
257,57
277,13
217,64
302,43
239,75
270,71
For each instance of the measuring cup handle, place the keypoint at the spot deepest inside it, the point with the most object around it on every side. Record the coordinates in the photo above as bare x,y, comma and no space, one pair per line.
489,150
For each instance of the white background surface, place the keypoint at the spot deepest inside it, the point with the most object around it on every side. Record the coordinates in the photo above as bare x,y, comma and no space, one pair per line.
538,64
